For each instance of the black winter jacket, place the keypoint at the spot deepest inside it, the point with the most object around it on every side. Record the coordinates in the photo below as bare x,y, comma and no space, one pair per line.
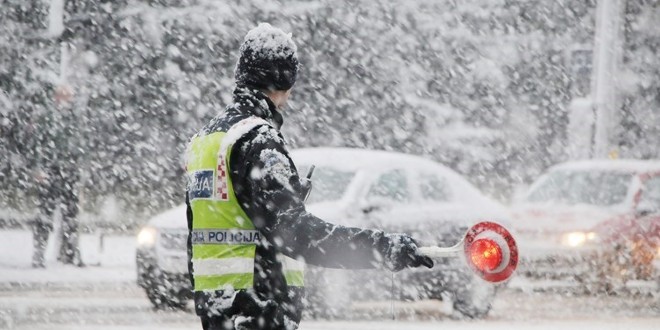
272,200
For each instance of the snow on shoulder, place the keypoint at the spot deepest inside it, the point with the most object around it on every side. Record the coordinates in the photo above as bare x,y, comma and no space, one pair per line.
270,42
276,166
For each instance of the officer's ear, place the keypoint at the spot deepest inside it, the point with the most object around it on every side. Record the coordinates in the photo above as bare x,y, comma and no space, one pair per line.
279,98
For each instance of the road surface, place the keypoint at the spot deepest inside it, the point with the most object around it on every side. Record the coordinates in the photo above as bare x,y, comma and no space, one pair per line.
123,306
104,296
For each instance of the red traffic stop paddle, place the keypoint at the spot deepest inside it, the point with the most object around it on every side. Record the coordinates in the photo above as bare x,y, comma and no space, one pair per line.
489,250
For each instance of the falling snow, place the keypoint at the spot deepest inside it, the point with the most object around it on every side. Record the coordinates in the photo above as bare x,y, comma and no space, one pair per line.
507,110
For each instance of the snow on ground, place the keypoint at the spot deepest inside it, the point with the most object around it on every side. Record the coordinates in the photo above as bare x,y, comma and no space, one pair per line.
397,325
486,325
104,296
108,259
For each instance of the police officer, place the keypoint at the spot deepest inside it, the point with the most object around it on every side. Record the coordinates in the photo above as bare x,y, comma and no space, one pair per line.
249,229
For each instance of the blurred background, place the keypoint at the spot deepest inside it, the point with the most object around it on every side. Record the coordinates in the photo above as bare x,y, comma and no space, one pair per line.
484,87
109,92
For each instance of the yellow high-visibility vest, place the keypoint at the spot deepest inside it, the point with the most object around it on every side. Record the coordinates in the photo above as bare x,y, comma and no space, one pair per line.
223,237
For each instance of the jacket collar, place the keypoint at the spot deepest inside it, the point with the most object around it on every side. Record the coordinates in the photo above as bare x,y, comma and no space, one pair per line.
255,102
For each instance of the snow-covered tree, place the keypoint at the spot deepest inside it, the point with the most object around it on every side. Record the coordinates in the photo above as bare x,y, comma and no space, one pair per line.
482,86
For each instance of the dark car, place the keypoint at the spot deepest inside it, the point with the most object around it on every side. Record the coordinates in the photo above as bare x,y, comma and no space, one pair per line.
632,243
590,222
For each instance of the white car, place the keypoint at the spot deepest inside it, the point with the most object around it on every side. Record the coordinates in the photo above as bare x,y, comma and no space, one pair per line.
383,190
162,261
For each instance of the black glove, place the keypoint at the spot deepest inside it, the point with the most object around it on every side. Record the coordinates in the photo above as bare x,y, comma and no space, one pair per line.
403,252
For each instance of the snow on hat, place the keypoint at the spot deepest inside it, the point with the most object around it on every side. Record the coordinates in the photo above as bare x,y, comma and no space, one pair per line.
268,59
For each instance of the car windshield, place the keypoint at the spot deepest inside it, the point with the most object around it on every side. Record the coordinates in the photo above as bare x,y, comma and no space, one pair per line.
582,187
328,184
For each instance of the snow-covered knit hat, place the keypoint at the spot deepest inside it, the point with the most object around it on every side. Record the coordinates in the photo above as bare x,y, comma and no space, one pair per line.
268,59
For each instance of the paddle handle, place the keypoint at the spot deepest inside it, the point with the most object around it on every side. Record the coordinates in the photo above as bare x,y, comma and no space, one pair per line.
436,252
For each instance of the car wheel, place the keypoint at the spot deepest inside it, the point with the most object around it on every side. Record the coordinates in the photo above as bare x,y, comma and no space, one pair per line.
471,297
326,294
163,295
165,301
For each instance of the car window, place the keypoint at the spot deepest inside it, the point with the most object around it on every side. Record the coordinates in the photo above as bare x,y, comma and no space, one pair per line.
651,194
392,185
583,187
328,184
434,187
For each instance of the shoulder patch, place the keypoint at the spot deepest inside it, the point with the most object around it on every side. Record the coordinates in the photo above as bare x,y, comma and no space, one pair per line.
200,184
222,191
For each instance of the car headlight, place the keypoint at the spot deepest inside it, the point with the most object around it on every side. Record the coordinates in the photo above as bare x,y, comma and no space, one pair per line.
577,238
147,237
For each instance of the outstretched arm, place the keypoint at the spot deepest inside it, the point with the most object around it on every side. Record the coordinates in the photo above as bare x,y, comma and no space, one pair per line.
271,189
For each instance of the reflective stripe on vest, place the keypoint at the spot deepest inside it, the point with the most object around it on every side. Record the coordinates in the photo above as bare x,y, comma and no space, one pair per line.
223,237
294,270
